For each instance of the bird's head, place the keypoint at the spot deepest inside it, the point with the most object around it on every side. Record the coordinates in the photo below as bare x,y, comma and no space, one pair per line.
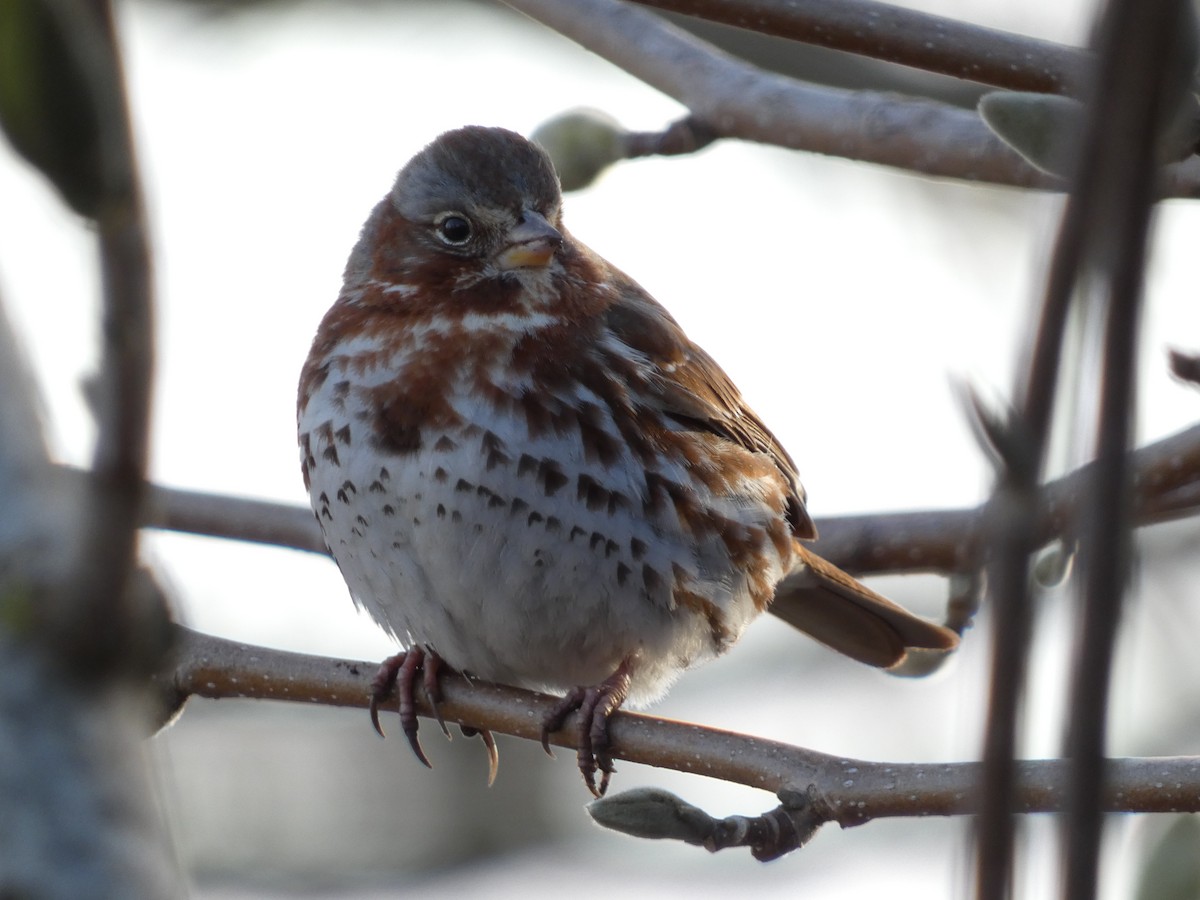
475,206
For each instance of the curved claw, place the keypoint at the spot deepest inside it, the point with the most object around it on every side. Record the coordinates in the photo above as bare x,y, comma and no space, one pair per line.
410,732
489,744
382,685
558,716
433,689
596,706
374,709
399,673
406,676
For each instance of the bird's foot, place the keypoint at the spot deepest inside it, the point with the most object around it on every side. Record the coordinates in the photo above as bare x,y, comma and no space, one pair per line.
596,706
399,673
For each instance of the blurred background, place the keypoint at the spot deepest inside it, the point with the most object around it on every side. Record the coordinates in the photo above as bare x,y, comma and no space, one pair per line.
845,300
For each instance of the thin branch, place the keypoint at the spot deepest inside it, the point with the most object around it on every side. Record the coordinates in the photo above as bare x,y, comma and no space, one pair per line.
954,540
1138,45
905,36
1166,477
683,136
1185,366
1013,518
1009,519
738,100
78,804
237,518
856,791
121,391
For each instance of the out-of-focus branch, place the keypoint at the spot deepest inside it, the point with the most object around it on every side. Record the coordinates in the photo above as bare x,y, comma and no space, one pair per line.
37,529
79,817
1167,486
1185,366
854,791
738,100
1166,476
905,36
1144,49
238,518
120,392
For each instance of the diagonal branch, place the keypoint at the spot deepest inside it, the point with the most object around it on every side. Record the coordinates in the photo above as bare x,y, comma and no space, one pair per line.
905,36
1166,475
738,100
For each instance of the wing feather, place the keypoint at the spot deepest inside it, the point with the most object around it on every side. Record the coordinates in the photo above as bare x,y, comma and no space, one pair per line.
695,392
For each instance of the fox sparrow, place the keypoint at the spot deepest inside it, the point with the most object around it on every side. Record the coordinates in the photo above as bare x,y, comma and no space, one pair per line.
526,470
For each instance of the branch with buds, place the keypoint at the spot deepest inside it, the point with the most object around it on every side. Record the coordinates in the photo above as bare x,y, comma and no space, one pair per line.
728,97
813,788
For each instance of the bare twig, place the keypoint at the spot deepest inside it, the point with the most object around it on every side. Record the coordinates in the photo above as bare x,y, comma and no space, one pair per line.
686,135
1166,473
78,813
1185,366
1013,517
953,540
121,391
856,791
237,518
1139,45
905,36
736,99
1009,525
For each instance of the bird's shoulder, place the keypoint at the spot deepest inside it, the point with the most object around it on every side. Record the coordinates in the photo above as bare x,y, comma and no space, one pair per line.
688,386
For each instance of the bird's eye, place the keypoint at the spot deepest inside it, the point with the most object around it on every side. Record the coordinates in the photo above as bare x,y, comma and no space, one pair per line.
454,230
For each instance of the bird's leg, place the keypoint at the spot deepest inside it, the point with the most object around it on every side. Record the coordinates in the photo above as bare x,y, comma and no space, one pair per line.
596,704
399,672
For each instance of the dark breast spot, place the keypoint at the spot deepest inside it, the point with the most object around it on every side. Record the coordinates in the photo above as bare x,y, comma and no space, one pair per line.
623,573
551,476
652,581
494,449
526,464
397,429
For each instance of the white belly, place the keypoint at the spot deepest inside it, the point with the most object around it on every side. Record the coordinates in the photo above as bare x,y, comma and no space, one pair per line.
515,558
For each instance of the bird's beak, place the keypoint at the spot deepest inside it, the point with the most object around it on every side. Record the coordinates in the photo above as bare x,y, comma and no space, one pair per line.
532,243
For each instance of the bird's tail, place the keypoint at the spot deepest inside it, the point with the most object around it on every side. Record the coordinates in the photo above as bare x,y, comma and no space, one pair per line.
823,601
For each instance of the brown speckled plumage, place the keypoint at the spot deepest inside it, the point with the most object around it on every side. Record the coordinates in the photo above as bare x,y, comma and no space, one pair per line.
526,470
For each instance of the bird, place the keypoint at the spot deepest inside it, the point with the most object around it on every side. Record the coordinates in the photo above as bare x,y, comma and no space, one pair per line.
529,474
